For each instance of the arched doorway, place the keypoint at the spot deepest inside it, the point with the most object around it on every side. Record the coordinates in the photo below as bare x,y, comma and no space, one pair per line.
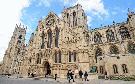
47,69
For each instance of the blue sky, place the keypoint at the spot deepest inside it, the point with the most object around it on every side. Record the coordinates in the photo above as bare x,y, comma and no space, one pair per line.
28,12
98,11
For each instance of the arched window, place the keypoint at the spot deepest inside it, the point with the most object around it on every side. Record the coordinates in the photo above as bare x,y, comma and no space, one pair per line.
58,57
114,49
38,59
110,35
124,33
124,67
87,37
55,56
74,56
74,19
98,52
97,37
70,56
49,43
101,69
131,48
115,69
42,37
56,37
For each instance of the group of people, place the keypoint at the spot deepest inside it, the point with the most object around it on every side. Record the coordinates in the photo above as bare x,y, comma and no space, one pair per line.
70,75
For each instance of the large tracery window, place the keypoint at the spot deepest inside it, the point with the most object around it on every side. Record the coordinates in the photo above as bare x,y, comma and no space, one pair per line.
56,37
42,37
114,49
49,43
97,37
124,33
110,35
98,52
58,57
115,69
131,48
74,19
124,67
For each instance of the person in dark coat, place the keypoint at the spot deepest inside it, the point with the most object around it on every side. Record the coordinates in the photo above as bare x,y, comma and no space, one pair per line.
72,76
55,76
68,76
80,74
85,76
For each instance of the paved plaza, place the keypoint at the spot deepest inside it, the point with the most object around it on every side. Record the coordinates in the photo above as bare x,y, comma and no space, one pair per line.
14,80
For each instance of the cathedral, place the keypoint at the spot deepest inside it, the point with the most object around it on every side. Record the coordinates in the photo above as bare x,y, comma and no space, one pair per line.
61,44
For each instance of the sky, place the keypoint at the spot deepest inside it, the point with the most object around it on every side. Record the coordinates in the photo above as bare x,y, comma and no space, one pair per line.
29,12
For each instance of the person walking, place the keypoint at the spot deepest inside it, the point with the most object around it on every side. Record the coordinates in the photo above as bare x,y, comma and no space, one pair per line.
81,74
55,76
68,76
105,75
72,76
85,76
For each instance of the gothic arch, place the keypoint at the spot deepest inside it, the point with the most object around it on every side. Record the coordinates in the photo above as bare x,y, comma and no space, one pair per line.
56,37
49,43
57,56
74,19
114,49
110,35
98,52
42,37
124,32
97,37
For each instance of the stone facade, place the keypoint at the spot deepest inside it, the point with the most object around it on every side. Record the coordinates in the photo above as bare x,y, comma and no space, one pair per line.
60,44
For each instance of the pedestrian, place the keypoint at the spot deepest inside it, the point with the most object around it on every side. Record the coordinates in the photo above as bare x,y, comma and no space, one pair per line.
32,74
81,74
105,75
68,76
55,76
72,76
85,76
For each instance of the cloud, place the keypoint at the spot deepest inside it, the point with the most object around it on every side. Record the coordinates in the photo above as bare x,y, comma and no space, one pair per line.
10,15
44,2
91,7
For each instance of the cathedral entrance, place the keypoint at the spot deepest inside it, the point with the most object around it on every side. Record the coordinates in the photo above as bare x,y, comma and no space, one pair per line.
47,69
